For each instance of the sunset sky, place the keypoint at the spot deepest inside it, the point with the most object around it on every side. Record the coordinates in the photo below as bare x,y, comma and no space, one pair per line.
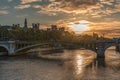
101,16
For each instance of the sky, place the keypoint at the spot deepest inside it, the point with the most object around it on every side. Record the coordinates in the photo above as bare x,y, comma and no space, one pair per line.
100,16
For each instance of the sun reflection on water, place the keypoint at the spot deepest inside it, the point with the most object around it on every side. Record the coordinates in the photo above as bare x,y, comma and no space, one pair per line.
79,63
81,60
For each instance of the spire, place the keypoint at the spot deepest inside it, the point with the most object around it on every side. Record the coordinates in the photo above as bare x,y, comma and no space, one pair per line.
25,23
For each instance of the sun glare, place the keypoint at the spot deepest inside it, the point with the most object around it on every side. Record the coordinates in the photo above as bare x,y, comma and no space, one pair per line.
80,26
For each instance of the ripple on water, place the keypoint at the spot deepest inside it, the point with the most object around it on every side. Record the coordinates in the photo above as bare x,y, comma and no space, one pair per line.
80,65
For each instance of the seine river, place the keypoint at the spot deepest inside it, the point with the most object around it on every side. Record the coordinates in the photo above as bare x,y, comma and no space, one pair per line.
66,65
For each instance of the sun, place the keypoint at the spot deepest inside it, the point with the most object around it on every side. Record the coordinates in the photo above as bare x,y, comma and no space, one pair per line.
79,26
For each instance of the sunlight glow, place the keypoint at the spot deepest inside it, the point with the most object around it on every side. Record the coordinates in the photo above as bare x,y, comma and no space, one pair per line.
79,62
80,26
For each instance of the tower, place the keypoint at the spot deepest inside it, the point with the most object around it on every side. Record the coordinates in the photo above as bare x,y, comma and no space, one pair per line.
25,24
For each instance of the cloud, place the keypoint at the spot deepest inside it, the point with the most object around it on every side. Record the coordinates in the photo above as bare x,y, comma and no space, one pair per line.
51,0
71,6
10,0
28,1
25,4
95,8
37,6
23,16
4,12
105,27
108,26
22,6
68,6
45,10
3,8
107,11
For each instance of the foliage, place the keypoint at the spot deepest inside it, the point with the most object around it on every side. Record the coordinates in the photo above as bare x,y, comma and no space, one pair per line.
48,35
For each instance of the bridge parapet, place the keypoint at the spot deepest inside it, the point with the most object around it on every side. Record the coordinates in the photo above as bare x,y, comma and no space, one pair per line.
109,41
105,41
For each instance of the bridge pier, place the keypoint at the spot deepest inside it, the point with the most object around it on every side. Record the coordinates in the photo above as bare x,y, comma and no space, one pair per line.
100,52
118,48
100,55
9,46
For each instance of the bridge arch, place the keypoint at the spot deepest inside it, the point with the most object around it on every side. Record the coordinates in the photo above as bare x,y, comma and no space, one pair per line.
26,48
108,46
102,48
4,50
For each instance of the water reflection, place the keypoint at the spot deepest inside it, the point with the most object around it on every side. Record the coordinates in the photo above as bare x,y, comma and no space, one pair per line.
100,62
76,66
86,67
79,63
73,65
82,65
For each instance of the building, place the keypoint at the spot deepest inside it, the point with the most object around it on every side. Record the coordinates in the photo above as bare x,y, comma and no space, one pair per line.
54,27
16,26
95,35
62,29
48,29
6,27
25,25
35,26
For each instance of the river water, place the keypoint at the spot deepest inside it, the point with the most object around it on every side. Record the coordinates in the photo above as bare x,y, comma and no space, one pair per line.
70,65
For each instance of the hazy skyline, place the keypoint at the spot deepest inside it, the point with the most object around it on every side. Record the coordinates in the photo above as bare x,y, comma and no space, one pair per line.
102,16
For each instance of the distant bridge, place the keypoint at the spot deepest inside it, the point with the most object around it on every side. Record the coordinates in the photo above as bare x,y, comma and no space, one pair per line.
13,47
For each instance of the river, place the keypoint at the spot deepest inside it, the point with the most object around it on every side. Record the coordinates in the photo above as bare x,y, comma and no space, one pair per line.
72,65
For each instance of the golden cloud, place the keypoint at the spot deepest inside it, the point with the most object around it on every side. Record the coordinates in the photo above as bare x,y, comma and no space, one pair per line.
23,6
4,12
95,8
28,1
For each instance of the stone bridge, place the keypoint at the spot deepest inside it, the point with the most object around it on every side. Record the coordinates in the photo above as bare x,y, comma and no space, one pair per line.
102,45
12,47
